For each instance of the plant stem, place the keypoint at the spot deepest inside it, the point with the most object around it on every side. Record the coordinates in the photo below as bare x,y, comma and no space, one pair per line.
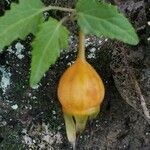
81,53
58,8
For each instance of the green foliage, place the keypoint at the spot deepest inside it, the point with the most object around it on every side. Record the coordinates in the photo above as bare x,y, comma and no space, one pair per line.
103,19
20,21
51,38
93,17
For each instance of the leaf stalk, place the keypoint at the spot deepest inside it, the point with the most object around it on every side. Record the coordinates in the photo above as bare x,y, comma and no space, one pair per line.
59,8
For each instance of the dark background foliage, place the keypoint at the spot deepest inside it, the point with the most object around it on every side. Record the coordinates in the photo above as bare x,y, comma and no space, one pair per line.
122,124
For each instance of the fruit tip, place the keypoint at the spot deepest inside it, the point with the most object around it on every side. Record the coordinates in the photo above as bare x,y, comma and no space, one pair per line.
74,145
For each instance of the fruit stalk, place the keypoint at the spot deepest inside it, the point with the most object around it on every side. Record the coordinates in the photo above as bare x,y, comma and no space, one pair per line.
81,53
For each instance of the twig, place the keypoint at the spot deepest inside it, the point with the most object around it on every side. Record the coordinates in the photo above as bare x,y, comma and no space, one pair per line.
138,91
142,100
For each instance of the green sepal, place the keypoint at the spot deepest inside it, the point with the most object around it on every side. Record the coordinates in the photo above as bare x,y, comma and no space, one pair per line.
80,123
70,129
94,115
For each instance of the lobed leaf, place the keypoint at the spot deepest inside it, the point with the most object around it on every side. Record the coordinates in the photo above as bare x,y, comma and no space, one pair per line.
99,18
21,20
46,48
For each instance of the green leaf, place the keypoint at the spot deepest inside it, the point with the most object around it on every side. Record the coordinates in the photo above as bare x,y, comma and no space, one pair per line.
46,48
99,18
21,20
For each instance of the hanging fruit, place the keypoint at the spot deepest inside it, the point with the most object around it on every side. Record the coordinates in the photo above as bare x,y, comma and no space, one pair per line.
80,92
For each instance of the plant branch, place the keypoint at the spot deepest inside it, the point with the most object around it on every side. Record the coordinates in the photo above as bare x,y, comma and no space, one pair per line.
58,8
142,100
138,91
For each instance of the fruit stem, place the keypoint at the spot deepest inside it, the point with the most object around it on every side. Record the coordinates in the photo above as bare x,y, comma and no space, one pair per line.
81,53
74,145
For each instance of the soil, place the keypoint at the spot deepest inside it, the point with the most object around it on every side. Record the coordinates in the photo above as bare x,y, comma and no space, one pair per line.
31,118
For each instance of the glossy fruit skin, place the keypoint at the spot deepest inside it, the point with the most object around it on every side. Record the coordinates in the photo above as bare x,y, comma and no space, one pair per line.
80,90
